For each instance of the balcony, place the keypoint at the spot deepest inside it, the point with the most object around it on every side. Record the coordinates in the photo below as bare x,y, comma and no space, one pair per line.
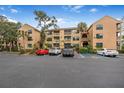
67,33
84,39
67,40
56,33
56,41
30,39
56,45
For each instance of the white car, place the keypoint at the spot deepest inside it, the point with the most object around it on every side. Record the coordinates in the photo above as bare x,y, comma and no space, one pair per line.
54,51
108,52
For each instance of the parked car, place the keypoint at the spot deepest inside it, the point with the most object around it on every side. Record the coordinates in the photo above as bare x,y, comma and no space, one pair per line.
108,52
54,51
42,52
68,52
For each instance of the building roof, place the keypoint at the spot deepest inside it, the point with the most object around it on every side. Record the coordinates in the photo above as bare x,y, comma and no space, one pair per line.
31,27
63,28
103,18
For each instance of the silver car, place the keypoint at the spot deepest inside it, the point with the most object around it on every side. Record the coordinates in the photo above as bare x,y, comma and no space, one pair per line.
54,51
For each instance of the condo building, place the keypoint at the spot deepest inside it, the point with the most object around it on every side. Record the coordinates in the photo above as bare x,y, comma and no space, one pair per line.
30,37
104,33
63,37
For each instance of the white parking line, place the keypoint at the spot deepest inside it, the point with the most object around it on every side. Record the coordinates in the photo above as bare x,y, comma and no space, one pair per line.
82,56
59,55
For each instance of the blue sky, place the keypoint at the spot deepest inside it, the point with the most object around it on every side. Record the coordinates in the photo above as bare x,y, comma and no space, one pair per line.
67,16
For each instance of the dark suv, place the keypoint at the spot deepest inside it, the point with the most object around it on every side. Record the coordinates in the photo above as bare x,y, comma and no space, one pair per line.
68,52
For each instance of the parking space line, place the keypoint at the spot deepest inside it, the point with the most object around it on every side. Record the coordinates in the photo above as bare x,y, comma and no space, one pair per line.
82,56
59,55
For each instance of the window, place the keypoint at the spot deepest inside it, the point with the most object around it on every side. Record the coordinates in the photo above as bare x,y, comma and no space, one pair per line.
75,38
49,33
75,31
49,39
99,27
56,44
119,26
19,44
56,38
2,42
67,31
49,45
30,39
30,45
67,45
99,45
23,33
99,36
29,31
67,37
56,32
75,45
84,36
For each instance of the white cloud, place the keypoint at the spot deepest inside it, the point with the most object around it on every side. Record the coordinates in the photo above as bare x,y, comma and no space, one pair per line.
10,19
61,20
93,10
73,8
1,8
13,10
66,22
118,18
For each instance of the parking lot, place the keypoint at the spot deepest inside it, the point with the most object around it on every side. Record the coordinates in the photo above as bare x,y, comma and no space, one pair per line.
81,71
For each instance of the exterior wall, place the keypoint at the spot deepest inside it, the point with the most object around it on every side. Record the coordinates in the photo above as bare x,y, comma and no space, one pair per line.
90,36
35,37
109,32
121,34
61,35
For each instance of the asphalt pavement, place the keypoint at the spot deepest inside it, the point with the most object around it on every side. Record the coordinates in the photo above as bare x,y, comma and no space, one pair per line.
81,71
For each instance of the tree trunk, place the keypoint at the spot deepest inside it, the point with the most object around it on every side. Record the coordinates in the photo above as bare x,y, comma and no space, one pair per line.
10,47
18,47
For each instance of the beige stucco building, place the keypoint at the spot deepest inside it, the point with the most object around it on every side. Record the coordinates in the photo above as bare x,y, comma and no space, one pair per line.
104,33
63,37
30,37
101,34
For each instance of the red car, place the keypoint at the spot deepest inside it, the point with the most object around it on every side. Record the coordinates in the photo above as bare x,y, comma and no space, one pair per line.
42,52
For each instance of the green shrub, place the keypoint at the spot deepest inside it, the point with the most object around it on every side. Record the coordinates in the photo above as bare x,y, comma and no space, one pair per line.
22,51
32,51
26,51
121,51
84,50
87,49
94,51
15,49
123,47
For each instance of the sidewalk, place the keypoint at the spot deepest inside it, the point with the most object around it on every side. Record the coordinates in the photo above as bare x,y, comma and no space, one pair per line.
5,52
121,54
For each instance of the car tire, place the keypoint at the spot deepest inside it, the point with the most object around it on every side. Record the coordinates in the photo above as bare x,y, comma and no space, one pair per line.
114,56
103,54
63,55
72,55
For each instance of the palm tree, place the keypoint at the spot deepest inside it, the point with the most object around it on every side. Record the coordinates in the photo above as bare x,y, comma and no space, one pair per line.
44,22
82,27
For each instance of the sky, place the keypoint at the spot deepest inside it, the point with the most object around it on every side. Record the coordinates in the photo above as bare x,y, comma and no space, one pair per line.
67,15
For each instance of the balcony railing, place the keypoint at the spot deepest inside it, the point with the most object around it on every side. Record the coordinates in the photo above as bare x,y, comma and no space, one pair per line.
56,33
67,33
56,41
